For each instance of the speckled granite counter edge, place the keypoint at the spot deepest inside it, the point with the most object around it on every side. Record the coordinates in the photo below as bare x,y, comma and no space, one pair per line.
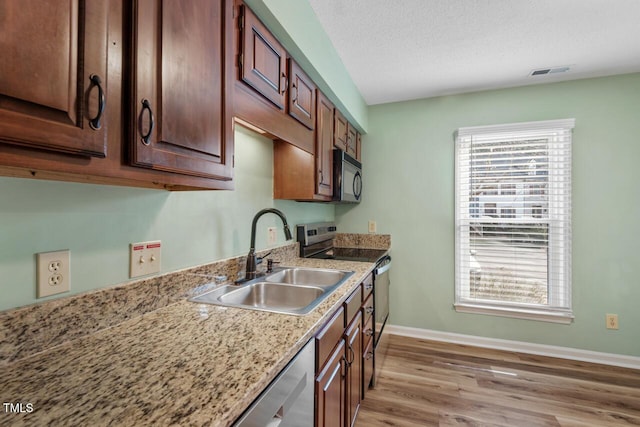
29,330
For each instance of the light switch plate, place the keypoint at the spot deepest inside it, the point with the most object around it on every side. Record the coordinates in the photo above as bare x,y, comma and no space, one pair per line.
271,236
372,226
145,258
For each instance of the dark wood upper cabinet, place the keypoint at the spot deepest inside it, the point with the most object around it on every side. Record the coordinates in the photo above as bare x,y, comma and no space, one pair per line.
53,75
352,141
263,60
344,135
358,146
181,121
302,96
340,125
300,175
324,146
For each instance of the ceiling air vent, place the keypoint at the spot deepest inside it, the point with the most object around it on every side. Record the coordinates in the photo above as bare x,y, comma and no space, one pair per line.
554,70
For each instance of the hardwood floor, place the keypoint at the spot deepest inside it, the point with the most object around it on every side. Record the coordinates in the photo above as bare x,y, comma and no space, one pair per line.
429,383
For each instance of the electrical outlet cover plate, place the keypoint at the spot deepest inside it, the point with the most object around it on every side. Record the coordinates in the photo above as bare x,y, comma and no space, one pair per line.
53,273
144,258
612,321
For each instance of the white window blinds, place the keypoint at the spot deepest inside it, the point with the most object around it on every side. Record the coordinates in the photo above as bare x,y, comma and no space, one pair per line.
513,220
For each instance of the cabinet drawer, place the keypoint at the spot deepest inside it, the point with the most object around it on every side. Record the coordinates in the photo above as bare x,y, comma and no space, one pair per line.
328,337
367,309
352,305
367,287
367,332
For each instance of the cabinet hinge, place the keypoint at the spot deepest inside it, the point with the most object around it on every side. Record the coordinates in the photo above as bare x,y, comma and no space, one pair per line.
240,60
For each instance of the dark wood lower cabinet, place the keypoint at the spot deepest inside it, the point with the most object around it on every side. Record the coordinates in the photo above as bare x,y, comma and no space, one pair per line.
331,390
340,372
354,369
367,368
367,337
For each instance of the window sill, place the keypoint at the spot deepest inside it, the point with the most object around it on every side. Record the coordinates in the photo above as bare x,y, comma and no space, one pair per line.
559,316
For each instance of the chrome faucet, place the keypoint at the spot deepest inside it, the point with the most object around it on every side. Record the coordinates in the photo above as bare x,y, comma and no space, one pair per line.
251,257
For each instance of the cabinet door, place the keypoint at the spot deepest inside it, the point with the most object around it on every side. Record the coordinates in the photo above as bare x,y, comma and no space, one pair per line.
353,337
263,60
358,147
331,390
53,75
368,368
181,122
340,126
302,96
324,146
293,172
351,145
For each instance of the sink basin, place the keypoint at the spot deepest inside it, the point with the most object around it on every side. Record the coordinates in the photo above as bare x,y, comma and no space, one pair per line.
290,291
273,295
307,276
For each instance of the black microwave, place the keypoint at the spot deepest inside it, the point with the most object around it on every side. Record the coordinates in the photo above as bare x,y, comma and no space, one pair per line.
347,178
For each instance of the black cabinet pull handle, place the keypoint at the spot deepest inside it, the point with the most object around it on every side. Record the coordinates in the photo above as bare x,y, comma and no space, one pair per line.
353,355
321,177
369,310
286,83
146,105
95,122
294,95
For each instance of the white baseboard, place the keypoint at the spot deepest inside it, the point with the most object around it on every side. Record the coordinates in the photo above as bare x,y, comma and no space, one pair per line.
518,346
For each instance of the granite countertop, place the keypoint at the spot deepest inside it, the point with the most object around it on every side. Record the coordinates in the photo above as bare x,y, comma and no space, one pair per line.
182,364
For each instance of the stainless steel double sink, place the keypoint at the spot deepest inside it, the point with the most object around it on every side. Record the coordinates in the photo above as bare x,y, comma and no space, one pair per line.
289,290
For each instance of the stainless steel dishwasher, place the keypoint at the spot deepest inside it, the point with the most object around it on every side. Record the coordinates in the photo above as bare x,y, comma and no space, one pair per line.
288,401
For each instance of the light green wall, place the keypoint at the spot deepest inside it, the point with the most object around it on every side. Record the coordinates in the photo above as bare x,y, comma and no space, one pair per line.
408,162
97,223
295,25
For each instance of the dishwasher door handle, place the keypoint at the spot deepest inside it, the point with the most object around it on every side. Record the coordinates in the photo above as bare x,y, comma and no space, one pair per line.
384,268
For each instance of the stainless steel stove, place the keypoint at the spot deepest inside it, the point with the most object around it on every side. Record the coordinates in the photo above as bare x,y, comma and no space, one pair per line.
316,241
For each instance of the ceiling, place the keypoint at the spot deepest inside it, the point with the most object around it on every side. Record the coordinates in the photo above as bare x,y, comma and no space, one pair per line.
396,50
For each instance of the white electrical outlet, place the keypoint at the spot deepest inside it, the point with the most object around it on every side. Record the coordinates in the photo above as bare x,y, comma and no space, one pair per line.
271,236
53,273
612,321
144,258
372,226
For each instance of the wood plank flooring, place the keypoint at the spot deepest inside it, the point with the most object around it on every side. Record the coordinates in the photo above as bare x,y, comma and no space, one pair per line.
429,383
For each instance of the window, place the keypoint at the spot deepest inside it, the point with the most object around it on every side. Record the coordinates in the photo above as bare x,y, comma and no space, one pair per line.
518,263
